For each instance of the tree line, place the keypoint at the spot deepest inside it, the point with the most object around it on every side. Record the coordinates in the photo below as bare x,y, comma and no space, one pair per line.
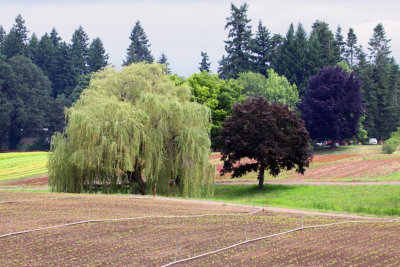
41,76
299,55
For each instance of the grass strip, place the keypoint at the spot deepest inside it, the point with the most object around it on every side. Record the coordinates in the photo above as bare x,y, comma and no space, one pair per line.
377,200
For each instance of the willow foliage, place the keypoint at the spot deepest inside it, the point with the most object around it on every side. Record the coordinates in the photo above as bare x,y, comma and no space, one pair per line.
131,129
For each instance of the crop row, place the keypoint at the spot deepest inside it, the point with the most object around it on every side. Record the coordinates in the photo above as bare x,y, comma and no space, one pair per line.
372,244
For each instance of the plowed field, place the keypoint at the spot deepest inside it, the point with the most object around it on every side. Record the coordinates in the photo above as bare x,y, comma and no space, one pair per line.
153,240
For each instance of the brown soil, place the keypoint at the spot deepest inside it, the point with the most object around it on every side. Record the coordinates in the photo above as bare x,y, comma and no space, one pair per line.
156,241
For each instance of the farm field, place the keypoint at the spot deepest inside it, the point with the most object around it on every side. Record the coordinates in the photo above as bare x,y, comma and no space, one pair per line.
22,165
153,240
343,164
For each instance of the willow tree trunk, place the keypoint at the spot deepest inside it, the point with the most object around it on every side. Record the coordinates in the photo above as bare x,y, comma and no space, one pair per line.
261,177
136,177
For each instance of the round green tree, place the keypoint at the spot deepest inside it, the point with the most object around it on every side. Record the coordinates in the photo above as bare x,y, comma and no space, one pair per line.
130,130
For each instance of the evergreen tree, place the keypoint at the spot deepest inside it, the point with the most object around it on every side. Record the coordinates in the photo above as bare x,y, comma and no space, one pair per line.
15,42
314,55
276,42
292,58
301,49
223,68
204,64
138,50
164,60
54,37
262,49
381,94
33,47
327,42
64,76
339,47
45,56
97,57
79,51
238,45
2,36
285,56
350,47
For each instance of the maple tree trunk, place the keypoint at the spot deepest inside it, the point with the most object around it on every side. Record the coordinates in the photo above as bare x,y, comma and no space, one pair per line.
261,178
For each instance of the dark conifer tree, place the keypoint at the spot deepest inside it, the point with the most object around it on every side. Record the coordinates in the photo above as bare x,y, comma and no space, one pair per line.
65,76
380,92
314,55
339,47
15,42
223,67
285,60
292,58
276,42
2,36
327,41
45,56
351,47
54,37
79,51
238,45
262,49
33,47
205,63
164,60
138,50
97,57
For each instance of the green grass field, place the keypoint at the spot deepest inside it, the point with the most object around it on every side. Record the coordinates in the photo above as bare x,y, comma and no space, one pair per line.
22,164
377,200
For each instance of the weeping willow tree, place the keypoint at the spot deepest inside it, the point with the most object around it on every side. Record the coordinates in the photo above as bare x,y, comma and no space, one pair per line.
130,130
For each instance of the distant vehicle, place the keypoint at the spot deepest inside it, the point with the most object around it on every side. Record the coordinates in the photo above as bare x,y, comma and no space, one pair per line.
322,143
373,141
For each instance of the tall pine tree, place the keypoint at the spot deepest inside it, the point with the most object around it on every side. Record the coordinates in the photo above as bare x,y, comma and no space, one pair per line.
33,46
351,47
138,50
205,63
45,56
339,48
380,94
238,45
327,42
79,51
15,42
262,49
285,58
97,57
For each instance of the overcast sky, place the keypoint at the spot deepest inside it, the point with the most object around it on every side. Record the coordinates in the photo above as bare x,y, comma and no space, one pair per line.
181,29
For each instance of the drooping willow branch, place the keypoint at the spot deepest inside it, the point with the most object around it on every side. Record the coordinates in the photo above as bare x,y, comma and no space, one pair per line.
134,126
